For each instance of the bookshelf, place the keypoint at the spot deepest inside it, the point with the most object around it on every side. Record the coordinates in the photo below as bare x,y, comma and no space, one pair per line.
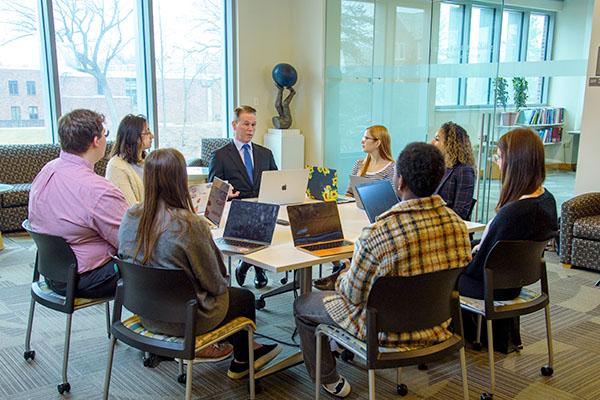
547,121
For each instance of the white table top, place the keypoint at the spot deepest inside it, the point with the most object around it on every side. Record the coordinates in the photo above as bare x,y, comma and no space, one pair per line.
282,256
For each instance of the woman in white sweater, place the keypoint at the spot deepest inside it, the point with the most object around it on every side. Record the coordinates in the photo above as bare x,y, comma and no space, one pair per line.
126,167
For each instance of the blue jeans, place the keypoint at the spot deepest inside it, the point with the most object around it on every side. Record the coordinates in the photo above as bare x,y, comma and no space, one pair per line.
309,312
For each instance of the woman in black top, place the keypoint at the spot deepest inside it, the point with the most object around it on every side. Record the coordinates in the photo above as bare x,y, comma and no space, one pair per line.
525,210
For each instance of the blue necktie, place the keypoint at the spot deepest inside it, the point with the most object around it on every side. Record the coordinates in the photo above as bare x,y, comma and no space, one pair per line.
248,161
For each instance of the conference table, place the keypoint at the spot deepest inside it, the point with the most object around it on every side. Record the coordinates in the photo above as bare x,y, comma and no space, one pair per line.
282,256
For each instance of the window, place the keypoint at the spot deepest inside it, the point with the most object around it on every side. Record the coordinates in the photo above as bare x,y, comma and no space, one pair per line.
33,112
13,88
15,113
31,88
467,35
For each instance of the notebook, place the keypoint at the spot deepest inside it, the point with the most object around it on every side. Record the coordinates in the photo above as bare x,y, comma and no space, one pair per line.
322,183
376,196
316,229
216,202
249,227
357,180
283,187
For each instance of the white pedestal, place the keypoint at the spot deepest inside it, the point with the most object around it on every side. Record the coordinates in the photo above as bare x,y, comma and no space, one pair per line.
287,146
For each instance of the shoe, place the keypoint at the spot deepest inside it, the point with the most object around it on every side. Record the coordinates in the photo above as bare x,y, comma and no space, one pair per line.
213,353
260,278
341,388
240,272
337,267
326,283
262,356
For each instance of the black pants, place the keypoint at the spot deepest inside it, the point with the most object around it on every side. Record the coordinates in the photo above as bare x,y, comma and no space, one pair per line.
95,284
241,304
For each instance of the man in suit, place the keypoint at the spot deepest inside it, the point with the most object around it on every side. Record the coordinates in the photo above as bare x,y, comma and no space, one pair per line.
242,163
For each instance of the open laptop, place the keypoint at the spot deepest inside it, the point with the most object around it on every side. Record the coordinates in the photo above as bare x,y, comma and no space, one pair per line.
249,227
322,183
216,202
283,187
357,180
316,229
376,196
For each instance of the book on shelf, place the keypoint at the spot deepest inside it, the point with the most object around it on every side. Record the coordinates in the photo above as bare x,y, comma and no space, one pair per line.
541,116
551,134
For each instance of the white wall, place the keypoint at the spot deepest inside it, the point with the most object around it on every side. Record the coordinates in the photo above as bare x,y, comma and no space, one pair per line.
291,31
587,179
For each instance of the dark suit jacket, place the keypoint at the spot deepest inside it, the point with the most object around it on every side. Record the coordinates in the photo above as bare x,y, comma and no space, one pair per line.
227,164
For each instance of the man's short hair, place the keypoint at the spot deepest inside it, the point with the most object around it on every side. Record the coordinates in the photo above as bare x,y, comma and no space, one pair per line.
422,168
243,109
77,129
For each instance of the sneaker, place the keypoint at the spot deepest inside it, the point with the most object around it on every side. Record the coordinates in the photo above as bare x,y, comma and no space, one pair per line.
262,356
327,282
341,388
213,353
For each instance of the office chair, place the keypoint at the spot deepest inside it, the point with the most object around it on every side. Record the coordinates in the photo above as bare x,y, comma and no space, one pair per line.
512,264
55,261
391,307
142,290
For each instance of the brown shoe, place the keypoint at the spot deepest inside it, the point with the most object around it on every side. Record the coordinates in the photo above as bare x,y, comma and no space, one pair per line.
213,353
326,283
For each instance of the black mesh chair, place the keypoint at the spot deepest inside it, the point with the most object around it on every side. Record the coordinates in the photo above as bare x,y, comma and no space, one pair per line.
403,304
55,261
512,264
143,291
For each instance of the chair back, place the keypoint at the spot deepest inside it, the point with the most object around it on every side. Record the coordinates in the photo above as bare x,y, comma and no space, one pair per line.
55,259
408,303
208,145
517,262
473,201
153,292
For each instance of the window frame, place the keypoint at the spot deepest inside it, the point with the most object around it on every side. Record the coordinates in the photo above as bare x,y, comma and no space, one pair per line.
31,90
524,36
13,88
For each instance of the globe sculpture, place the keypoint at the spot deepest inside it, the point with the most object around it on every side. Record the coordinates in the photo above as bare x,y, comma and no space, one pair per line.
285,76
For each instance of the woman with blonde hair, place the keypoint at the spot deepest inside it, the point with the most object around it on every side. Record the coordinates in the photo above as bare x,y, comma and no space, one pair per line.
458,184
379,163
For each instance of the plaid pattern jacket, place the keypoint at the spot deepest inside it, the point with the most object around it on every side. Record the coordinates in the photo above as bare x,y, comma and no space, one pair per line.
457,189
414,237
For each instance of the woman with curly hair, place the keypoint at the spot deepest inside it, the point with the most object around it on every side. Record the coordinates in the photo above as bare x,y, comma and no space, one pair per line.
458,184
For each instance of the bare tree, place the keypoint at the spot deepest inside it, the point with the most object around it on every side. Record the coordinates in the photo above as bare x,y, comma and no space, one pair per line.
90,29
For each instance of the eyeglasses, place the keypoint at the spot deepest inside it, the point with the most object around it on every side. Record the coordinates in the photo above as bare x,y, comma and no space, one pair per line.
369,138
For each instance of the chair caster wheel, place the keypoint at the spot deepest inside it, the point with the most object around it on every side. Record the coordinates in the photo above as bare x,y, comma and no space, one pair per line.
347,356
259,303
487,396
422,367
402,389
257,386
547,371
29,355
283,281
181,378
477,346
64,388
151,362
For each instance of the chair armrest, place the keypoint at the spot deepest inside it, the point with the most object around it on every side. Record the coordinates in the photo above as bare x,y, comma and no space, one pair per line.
584,205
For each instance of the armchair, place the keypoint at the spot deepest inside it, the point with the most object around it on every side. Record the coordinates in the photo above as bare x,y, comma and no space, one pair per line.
580,232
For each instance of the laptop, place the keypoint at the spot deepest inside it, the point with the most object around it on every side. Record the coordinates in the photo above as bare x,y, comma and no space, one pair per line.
249,227
283,187
322,183
316,229
216,202
357,180
377,197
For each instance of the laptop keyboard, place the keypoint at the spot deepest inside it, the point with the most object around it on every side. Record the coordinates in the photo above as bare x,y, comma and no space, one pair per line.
328,245
239,243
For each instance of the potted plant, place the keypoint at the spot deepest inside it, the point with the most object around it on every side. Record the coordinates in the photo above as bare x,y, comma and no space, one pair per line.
520,95
501,95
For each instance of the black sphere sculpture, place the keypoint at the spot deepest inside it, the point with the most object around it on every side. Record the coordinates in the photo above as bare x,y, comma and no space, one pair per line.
285,76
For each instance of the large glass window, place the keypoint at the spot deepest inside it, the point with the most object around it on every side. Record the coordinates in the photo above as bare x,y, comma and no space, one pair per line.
31,88
190,72
13,88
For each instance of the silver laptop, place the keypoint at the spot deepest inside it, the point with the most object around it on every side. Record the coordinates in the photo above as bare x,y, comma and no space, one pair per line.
287,186
216,202
249,227
357,180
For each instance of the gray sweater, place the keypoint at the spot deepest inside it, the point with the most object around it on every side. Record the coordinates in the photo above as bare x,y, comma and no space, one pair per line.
197,254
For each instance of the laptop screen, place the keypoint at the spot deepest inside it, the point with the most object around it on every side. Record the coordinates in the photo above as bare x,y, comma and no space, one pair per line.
315,222
377,197
251,220
216,201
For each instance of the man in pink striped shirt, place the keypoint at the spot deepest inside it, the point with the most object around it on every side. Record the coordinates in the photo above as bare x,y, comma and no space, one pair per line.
68,199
